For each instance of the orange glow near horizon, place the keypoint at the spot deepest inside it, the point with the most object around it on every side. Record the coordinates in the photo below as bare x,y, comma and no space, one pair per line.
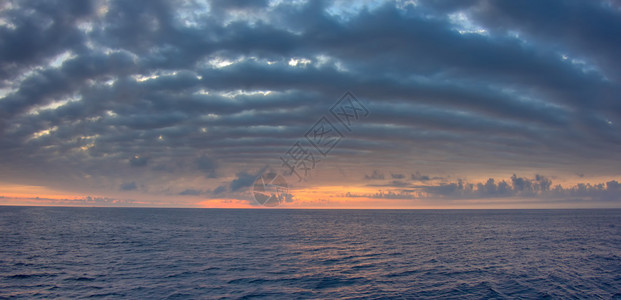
31,191
31,195
318,197
335,197
225,203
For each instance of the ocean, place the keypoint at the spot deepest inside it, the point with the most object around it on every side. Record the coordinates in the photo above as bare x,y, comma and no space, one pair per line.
140,253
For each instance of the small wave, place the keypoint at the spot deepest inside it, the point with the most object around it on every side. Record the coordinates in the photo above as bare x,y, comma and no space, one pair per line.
337,282
81,278
403,273
26,276
106,295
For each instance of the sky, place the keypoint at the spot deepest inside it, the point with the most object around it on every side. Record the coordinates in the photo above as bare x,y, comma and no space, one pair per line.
332,104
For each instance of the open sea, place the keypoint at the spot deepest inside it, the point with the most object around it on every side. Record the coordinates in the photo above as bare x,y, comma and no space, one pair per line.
139,253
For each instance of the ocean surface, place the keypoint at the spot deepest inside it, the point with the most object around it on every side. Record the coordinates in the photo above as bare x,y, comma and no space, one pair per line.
138,253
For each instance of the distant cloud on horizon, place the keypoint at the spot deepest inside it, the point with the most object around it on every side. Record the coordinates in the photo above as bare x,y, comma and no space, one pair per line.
538,187
155,98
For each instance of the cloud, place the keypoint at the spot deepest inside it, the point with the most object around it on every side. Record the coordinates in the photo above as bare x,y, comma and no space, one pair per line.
190,192
397,176
539,187
207,166
401,181
129,186
104,92
237,4
419,177
138,161
532,18
374,176
243,180
219,190
384,195
393,183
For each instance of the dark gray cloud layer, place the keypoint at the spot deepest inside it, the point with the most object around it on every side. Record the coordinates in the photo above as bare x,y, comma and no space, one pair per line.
105,91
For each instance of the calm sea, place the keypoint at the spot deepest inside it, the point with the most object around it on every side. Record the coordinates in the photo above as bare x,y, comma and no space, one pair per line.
49,252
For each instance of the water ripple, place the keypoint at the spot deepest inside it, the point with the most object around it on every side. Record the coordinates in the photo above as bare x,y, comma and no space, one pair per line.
282,254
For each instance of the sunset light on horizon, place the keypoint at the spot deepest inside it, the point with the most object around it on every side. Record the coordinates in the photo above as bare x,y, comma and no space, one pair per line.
310,149
361,104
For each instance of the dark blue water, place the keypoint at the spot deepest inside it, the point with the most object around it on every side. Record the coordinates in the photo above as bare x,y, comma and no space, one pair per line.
379,254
